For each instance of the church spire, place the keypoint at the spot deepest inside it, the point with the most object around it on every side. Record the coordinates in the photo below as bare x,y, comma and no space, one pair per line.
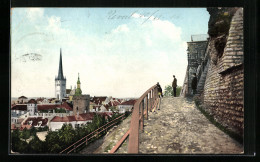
60,72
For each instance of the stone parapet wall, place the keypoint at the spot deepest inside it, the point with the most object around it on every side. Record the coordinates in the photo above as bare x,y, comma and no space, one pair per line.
224,85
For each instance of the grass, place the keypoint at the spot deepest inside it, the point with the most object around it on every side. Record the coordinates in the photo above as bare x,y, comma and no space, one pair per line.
232,134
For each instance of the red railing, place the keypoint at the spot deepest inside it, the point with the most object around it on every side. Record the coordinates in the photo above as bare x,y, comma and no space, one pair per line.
91,135
147,102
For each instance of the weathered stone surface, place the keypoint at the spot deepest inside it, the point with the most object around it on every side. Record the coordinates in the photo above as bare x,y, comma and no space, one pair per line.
179,128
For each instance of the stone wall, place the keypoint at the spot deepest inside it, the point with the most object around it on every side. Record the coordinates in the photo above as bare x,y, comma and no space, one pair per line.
81,104
223,90
196,53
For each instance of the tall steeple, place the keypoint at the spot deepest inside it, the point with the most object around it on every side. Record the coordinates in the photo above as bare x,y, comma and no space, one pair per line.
60,72
78,90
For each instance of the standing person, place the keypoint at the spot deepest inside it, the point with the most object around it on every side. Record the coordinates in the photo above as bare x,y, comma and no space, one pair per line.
160,94
194,83
174,85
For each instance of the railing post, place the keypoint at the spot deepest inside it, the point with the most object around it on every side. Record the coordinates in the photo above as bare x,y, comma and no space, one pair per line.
146,116
142,116
86,141
152,99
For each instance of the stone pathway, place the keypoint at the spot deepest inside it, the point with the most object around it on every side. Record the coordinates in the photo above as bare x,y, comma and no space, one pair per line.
112,137
180,128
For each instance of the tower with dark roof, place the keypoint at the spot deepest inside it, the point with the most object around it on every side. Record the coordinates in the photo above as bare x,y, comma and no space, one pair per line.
60,82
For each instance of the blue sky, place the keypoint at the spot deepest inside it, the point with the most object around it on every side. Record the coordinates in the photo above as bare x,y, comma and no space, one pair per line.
118,52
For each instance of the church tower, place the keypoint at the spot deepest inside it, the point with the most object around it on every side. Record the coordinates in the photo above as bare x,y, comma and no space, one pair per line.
60,82
80,101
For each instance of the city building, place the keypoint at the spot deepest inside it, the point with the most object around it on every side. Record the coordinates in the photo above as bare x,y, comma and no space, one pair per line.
32,107
126,106
60,82
80,102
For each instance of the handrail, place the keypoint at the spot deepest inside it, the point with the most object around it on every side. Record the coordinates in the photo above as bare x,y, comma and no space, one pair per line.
137,119
106,126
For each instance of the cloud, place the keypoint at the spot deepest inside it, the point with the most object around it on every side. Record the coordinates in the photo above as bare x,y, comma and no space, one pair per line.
125,62
34,13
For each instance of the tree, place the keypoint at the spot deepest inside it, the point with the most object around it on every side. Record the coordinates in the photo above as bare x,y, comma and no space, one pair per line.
52,142
168,90
15,139
66,134
36,145
25,134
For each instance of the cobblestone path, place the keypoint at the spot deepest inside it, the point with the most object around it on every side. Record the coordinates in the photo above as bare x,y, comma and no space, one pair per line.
112,137
180,128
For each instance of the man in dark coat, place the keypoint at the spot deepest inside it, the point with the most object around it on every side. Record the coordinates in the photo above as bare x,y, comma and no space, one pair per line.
159,90
194,83
174,85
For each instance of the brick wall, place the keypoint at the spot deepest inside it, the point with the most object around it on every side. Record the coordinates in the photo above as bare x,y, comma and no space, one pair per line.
223,89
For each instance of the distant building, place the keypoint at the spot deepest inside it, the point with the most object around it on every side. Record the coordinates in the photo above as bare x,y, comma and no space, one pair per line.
99,100
32,107
60,82
196,54
17,111
76,120
126,106
80,102
36,122
50,107
22,100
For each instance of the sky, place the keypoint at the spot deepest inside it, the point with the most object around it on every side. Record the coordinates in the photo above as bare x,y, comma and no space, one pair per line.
119,52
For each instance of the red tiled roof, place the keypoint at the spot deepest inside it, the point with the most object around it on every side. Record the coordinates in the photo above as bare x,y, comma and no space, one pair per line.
39,99
99,100
105,113
130,102
46,107
114,103
81,117
36,120
32,101
13,127
19,107
66,106
25,126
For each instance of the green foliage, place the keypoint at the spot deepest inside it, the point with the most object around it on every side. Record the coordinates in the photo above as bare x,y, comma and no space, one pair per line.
66,135
23,147
113,108
25,134
178,91
36,145
52,142
168,90
15,139
59,110
56,141
45,128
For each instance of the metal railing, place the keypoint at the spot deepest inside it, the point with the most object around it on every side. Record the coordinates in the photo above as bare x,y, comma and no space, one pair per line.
149,101
91,135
